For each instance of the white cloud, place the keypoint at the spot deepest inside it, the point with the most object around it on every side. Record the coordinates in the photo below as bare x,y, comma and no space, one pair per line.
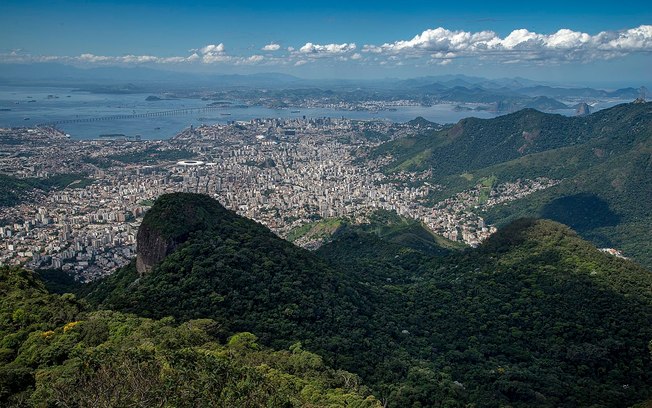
216,54
564,44
255,58
639,38
140,59
443,55
517,38
93,58
214,57
212,49
123,59
566,38
327,49
437,40
211,54
434,46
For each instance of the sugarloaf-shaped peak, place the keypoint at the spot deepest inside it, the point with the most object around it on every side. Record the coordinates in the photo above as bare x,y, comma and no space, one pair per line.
420,121
582,109
170,221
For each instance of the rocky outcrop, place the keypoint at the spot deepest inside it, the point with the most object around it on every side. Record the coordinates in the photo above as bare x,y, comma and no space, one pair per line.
152,248
171,221
582,109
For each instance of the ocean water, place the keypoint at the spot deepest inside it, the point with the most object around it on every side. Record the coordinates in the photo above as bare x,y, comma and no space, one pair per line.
29,106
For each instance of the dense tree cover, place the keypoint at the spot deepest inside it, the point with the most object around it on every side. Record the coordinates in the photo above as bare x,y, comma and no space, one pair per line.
317,230
151,155
26,308
387,225
605,195
13,190
388,250
176,215
406,232
535,316
239,273
56,353
604,161
474,143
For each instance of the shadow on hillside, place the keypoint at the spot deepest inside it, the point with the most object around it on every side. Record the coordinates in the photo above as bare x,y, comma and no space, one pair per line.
583,212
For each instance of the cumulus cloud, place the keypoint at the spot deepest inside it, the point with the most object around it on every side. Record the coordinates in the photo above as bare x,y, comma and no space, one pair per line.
123,59
194,57
438,46
213,53
639,38
212,49
326,49
564,44
210,54
93,58
255,58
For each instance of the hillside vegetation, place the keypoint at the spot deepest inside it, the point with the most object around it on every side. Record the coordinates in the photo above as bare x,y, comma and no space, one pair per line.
14,190
604,162
536,316
478,143
55,352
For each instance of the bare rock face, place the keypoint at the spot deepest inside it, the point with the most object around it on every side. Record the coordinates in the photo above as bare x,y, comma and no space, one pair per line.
171,221
583,109
152,248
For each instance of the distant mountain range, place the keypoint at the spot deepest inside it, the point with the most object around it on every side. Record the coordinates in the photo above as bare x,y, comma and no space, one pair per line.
501,95
604,162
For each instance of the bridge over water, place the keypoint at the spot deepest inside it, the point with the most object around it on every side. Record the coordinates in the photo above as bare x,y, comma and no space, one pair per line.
173,112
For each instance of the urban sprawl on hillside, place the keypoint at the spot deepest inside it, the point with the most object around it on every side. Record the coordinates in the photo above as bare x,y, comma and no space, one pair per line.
283,173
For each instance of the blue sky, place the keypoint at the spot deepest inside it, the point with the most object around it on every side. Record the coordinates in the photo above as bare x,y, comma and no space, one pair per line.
355,39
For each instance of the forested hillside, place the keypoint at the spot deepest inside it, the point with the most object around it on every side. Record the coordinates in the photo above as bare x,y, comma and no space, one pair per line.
474,144
603,162
16,190
535,316
56,352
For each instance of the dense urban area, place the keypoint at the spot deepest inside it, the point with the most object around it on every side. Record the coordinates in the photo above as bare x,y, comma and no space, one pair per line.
283,173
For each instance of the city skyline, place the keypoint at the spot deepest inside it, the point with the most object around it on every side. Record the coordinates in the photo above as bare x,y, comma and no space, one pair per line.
553,41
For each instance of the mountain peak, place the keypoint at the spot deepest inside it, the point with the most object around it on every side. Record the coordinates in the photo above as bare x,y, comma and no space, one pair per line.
524,230
169,223
420,121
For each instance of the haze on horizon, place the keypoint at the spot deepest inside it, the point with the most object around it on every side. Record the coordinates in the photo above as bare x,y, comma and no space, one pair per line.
596,43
